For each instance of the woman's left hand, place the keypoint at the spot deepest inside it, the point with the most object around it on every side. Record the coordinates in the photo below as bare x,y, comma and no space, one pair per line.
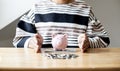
83,42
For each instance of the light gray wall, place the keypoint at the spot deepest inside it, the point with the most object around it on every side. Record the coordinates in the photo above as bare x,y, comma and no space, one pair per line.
107,11
7,34
12,9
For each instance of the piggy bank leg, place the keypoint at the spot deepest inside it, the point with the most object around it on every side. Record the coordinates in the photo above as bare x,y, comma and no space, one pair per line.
57,49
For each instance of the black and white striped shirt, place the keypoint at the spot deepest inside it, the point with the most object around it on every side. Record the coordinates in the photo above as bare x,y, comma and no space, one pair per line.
73,19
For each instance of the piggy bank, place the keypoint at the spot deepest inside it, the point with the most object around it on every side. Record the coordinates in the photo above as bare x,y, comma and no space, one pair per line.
59,41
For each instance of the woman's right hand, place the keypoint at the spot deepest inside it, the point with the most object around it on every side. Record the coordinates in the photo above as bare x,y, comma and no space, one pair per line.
36,43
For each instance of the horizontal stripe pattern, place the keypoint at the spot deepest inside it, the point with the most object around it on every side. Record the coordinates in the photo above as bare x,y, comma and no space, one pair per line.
21,43
76,8
63,18
26,27
71,29
73,19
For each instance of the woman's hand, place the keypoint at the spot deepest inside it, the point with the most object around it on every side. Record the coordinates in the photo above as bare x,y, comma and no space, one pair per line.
83,42
36,43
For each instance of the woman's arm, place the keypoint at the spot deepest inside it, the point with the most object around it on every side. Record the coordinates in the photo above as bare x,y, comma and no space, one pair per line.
24,30
97,35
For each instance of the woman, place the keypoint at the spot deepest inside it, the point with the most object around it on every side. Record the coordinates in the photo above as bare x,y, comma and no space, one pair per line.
72,17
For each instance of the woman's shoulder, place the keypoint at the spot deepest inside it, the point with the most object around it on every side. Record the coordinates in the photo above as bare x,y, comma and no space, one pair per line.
81,2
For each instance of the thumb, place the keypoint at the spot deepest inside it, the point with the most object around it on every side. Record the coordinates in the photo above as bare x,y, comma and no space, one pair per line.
81,38
39,43
38,35
39,38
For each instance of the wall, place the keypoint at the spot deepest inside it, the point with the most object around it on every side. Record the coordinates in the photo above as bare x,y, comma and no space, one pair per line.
7,34
12,9
107,11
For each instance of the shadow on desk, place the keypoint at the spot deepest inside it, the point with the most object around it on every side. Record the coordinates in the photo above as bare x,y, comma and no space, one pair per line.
97,50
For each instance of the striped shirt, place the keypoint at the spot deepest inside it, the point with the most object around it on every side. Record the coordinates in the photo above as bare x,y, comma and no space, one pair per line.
47,18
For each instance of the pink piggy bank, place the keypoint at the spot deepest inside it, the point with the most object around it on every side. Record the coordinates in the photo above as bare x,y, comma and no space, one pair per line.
59,41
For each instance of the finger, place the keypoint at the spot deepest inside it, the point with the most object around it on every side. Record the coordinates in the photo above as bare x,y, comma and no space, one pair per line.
38,36
85,47
39,39
37,46
82,40
85,43
37,50
39,43
81,45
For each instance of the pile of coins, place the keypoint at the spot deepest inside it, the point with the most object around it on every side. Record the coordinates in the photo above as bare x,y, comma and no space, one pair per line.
61,56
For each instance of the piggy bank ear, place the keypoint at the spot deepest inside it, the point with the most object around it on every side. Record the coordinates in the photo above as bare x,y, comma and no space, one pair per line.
53,35
66,35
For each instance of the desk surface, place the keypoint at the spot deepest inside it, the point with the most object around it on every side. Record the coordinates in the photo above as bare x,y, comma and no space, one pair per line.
27,59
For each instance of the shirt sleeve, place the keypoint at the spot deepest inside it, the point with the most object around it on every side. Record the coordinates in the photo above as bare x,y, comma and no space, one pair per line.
98,36
24,30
